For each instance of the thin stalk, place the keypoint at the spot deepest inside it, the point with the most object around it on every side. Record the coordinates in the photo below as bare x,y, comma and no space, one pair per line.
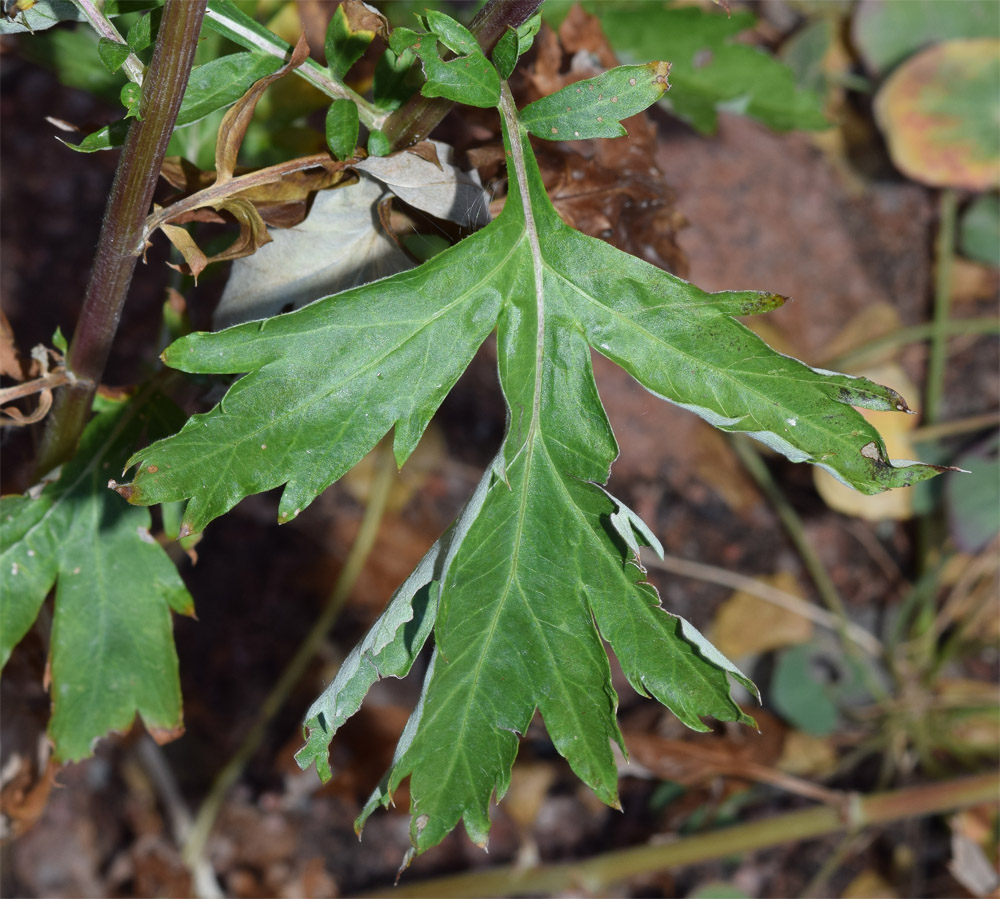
927,433
596,875
360,550
119,245
230,21
945,256
416,118
796,532
132,67
827,590
780,598
959,327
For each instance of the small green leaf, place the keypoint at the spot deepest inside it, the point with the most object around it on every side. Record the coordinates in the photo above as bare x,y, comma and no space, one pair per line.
513,44
131,97
526,34
59,341
112,54
710,70
595,107
469,78
394,81
143,32
505,53
979,234
342,128
344,45
107,138
378,144
112,648
454,35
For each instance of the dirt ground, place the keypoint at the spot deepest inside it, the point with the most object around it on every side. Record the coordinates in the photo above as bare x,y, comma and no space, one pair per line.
783,213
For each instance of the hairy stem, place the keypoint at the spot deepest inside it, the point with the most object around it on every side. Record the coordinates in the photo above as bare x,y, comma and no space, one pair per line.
120,245
595,875
419,115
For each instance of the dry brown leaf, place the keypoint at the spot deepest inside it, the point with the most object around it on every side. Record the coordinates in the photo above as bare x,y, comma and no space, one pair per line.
12,363
253,232
747,625
806,755
739,753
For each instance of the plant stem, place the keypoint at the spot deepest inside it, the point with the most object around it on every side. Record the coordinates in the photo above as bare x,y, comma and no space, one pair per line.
119,245
385,474
595,875
230,21
780,598
420,115
945,256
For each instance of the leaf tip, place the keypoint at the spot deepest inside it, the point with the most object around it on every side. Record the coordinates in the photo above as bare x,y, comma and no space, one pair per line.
128,492
661,73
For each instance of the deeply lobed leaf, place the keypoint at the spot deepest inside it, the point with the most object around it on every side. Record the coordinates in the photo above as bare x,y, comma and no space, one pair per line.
112,647
542,565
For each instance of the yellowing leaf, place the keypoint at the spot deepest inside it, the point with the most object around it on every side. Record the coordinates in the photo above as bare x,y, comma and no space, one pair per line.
939,114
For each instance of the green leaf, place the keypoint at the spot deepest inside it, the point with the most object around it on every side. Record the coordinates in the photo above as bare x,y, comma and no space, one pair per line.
505,53
709,70
112,647
885,32
212,86
342,128
453,34
595,107
344,45
378,144
541,569
526,34
143,32
221,82
112,54
131,99
394,81
469,78
979,232
513,44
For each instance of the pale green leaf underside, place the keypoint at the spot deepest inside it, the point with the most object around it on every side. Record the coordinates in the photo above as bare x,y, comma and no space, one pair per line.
112,641
542,554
